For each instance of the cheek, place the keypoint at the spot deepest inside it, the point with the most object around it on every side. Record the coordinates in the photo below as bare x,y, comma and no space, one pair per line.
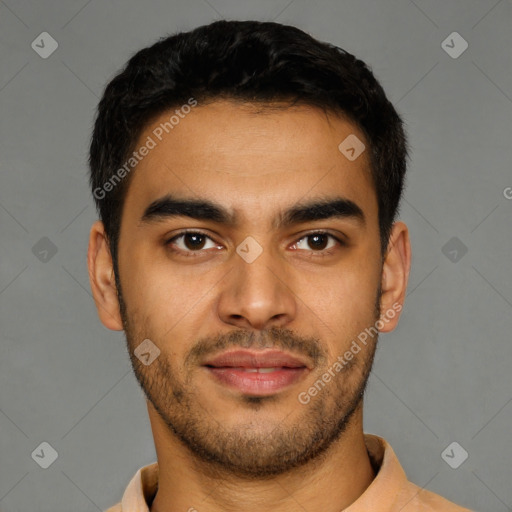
147,288
164,303
346,300
349,304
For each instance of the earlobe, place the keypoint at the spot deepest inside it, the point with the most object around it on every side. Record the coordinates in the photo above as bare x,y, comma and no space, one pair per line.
395,276
101,278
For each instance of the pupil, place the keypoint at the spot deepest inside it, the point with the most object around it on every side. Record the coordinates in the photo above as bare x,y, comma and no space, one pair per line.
316,244
194,241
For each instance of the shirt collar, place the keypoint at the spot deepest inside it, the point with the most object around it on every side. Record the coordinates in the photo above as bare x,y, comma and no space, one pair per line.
381,494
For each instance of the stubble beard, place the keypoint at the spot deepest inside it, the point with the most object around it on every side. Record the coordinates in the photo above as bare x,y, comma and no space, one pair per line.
256,449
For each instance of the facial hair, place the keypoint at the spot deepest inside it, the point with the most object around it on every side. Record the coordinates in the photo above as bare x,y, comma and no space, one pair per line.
254,449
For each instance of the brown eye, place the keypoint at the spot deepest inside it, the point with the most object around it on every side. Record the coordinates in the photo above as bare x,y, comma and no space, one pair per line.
190,242
194,241
317,242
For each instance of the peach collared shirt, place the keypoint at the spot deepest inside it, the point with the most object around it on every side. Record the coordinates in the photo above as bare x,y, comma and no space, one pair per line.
390,491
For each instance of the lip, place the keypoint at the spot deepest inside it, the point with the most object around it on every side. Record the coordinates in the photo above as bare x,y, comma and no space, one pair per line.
256,359
241,370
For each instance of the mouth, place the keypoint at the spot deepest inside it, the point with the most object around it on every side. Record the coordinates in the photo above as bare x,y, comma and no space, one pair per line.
260,373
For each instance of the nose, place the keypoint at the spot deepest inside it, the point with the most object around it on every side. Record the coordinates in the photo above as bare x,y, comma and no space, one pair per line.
257,294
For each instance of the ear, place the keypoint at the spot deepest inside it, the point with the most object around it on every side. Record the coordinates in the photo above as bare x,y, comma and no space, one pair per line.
101,278
395,275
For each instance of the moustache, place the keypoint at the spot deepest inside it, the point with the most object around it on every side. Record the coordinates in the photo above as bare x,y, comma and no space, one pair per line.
274,338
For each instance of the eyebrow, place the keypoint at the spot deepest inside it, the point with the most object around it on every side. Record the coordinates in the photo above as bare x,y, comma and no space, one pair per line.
169,206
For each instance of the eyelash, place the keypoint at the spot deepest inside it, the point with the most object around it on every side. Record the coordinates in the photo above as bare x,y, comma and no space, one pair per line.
195,254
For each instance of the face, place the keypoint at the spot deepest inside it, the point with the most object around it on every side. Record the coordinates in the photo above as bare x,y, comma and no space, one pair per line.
249,255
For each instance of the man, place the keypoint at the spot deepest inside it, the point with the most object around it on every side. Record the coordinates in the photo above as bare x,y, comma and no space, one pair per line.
247,178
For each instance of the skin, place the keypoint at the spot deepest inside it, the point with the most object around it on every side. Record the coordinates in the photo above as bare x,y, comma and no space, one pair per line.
218,448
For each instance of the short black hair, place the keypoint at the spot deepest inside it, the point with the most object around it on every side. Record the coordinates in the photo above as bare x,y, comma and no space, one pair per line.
252,62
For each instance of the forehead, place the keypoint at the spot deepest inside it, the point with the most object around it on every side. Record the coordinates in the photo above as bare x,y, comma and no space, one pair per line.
249,157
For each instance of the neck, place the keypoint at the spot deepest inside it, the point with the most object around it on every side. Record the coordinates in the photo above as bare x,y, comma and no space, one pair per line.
330,483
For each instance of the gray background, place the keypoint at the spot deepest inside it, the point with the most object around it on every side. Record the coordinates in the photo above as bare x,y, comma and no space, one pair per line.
442,376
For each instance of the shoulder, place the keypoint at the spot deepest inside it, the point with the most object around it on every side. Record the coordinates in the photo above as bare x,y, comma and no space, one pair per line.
115,508
413,498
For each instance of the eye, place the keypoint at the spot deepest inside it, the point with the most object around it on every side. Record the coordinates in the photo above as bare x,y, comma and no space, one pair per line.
319,241
193,243
188,242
